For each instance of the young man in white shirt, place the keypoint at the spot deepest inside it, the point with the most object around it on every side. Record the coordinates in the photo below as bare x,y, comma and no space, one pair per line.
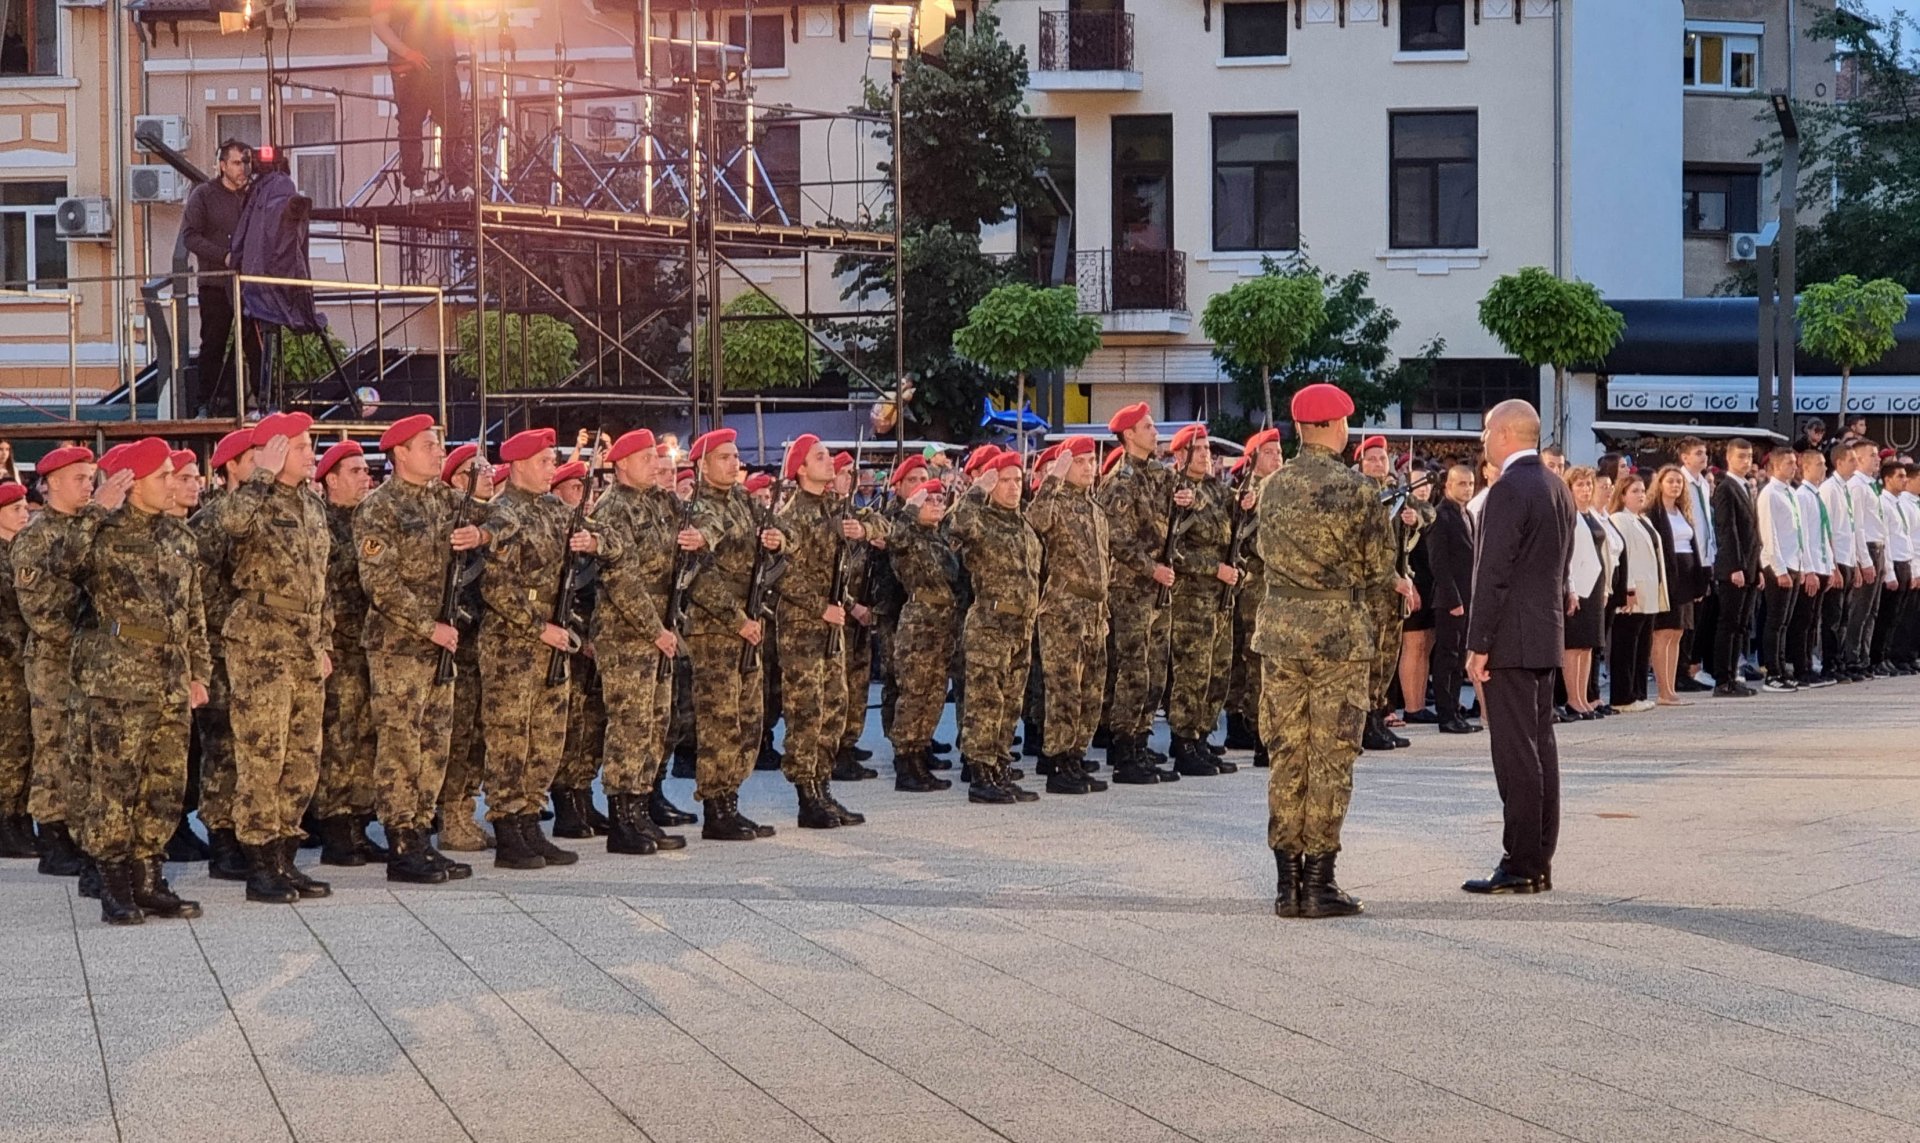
1849,557
1901,646
1782,563
1863,603
1696,642
1803,633
1896,569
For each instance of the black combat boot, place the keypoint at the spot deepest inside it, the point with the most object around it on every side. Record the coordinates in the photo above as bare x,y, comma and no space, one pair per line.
1077,762
724,823
665,814
309,830
982,786
847,768
336,842
1214,748
596,820
265,883
1286,893
910,775
1086,763
1155,760
1240,735
455,870
16,837
1261,760
1191,759
117,906
569,818
226,861
1063,777
937,752
1319,896
308,888
59,856
768,758
1129,768
512,848
633,831
185,845
89,879
1046,765
861,754
370,849
154,896
1222,766
1373,736
537,840
1102,738
1008,779
408,863
847,817
1399,741
1030,740
815,813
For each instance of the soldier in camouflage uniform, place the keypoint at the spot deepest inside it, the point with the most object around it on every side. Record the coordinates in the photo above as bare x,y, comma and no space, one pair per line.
1243,685
923,639
1002,557
526,721
1202,625
574,814
49,557
1389,607
276,640
343,798
233,461
1073,613
186,488
404,535
1326,549
141,669
16,724
466,755
861,622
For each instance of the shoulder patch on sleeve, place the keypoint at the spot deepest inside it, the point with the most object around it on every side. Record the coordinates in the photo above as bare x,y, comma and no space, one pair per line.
371,547
26,576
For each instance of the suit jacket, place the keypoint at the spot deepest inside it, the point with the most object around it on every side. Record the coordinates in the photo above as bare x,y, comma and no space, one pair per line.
1735,530
1681,587
1449,545
1518,617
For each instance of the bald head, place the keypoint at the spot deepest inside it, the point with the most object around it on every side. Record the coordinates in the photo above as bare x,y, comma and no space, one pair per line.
1511,426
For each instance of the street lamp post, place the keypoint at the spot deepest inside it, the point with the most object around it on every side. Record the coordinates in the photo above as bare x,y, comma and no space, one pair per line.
1783,335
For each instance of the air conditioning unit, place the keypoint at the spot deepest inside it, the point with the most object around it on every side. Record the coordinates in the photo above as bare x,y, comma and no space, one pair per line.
1743,247
155,182
611,120
90,216
171,130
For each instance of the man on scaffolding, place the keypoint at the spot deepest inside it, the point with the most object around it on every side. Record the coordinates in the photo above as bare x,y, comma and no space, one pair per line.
422,49
212,213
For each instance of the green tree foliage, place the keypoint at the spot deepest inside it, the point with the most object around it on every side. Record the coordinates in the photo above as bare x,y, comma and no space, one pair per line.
1544,320
303,358
770,353
1850,322
540,350
1261,323
1022,329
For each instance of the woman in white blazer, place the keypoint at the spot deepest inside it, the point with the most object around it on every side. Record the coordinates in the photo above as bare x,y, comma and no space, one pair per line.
1587,588
1640,593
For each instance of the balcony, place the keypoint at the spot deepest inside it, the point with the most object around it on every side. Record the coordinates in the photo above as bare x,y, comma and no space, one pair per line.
1086,51
1134,291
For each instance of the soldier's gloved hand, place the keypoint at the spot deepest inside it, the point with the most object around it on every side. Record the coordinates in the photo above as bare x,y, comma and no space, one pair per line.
583,541
771,539
113,491
196,695
690,540
1163,575
852,529
447,636
557,637
465,539
1184,498
1227,574
750,631
668,642
835,615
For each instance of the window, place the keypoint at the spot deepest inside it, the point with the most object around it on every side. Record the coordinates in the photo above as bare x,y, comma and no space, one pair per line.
1435,192
769,40
241,125
1461,390
1255,30
1717,59
1143,182
1256,182
775,182
315,155
30,42
1040,222
1721,201
32,257
1433,25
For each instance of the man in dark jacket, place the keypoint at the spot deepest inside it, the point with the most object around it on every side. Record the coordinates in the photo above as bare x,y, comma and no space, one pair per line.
1736,569
206,229
1450,556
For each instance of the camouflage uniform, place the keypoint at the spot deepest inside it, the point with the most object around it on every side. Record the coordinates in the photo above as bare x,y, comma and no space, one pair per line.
134,669
1243,683
280,626
860,637
348,743
1326,549
628,616
1202,631
927,571
1002,558
214,718
586,724
1135,498
726,704
16,721
1073,612
401,534
813,680
49,558
467,752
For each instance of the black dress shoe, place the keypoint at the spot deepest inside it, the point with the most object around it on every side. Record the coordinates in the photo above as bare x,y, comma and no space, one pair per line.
1687,684
1425,716
1459,726
1502,881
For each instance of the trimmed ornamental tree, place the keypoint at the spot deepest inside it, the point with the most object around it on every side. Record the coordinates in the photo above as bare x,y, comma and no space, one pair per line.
1850,323
1544,320
1022,329
540,350
762,353
1261,323
304,358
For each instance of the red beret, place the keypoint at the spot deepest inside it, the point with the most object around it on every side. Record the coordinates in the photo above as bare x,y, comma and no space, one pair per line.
11,491
1239,462
335,455
521,446
1186,437
1001,463
797,454
758,481
1886,454
500,473
280,425
182,457
683,475
1127,418
929,487
1261,439
1371,442
113,460
710,441
404,430
231,448
1078,446
977,459
62,457
145,456
455,459
842,461
909,466
630,443
572,470
1113,458
1046,456
1321,402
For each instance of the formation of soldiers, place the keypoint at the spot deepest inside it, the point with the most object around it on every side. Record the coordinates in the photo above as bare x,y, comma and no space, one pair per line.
296,653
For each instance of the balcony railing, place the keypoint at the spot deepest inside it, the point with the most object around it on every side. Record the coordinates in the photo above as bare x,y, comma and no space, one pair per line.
1121,281
1086,41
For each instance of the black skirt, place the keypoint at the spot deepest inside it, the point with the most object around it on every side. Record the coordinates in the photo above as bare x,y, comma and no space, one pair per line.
1586,627
1679,617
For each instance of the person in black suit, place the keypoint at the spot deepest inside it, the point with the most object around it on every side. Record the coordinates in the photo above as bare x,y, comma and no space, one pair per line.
1515,635
1736,570
1449,545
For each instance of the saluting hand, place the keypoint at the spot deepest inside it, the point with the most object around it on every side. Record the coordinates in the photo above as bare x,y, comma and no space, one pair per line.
272,456
691,540
113,491
446,636
852,529
1061,464
465,539
584,541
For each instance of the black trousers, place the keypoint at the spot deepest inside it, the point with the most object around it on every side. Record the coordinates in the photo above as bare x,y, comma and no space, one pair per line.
1526,765
1833,623
1803,631
1731,628
1862,602
431,91
1697,642
1628,653
1773,637
1449,663
1892,601
213,367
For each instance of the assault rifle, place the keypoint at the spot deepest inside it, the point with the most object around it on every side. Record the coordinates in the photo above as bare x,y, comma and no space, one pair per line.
1175,514
685,564
767,570
459,573
1237,536
573,577
837,636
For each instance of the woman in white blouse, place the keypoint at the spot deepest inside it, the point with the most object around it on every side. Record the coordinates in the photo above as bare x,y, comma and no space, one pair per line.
1587,584
1640,591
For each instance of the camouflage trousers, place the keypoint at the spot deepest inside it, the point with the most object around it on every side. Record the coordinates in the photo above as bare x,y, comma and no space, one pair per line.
214,721
1387,619
1073,657
1243,681
681,724
726,713
853,722
638,705
277,717
16,739
413,718
1140,640
349,741
58,791
137,776
1203,655
999,652
586,725
813,684
1311,713
467,745
524,720
921,664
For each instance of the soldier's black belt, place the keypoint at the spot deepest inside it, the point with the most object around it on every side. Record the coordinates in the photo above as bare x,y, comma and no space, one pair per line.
285,603
1339,594
134,632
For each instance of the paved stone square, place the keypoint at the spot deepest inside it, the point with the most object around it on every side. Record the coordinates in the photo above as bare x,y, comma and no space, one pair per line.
1732,952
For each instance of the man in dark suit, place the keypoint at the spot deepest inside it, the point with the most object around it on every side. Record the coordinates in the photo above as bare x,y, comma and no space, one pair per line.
1736,570
1515,635
1450,557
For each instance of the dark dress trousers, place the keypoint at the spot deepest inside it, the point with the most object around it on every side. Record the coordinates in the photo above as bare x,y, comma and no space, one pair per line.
1737,532
1518,621
1449,545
